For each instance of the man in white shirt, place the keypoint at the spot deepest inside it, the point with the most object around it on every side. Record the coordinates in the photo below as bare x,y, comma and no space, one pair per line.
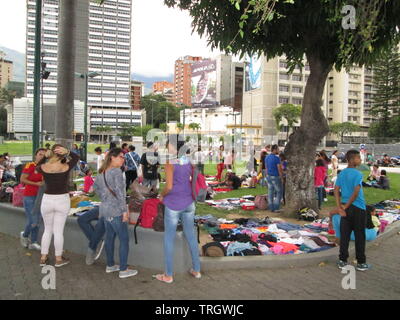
199,160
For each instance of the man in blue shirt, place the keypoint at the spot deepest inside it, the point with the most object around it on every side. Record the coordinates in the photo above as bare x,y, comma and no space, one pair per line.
132,161
351,206
274,171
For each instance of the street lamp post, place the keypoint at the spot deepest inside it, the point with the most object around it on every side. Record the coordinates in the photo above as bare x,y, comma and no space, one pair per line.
86,76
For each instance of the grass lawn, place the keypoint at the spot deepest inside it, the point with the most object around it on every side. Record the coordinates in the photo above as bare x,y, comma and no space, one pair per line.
372,195
22,148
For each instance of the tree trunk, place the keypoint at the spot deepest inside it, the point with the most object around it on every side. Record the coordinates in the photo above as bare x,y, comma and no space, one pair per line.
65,72
300,150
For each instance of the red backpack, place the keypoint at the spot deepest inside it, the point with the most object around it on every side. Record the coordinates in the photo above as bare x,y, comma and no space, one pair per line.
148,214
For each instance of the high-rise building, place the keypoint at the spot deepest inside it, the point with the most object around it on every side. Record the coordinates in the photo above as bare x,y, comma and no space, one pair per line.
6,70
103,45
137,92
165,88
183,79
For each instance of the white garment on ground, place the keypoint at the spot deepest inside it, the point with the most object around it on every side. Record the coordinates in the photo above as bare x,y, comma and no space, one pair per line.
55,209
309,234
293,241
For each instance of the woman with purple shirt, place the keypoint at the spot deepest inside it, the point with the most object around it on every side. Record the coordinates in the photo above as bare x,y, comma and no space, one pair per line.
179,204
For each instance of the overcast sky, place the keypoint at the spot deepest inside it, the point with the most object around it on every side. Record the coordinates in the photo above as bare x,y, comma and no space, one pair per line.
160,35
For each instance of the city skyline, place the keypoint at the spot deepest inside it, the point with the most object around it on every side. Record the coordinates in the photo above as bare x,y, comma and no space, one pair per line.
148,38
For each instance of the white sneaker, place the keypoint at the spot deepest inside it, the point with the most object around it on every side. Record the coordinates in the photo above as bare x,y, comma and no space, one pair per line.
127,273
35,246
24,241
112,269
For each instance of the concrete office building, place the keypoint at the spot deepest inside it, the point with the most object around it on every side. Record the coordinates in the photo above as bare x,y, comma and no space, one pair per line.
103,45
6,70
137,92
165,88
183,80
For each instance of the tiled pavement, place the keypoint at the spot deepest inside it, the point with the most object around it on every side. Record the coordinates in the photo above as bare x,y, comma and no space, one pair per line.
20,278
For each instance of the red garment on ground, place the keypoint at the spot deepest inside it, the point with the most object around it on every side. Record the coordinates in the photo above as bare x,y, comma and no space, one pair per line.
287,247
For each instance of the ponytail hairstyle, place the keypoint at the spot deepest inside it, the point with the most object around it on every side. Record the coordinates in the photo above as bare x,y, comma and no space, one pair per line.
114,152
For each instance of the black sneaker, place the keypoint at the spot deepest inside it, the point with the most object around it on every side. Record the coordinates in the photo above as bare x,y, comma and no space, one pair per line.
363,266
341,264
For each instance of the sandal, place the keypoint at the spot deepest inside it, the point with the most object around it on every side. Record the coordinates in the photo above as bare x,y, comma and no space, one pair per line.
162,277
197,275
44,262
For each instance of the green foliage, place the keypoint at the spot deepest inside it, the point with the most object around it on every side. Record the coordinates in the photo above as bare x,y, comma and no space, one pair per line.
194,126
380,129
386,98
156,110
289,112
340,129
179,126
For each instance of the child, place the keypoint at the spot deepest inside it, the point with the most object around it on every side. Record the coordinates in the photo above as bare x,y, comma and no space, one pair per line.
372,225
88,182
319,176
351,206
383,182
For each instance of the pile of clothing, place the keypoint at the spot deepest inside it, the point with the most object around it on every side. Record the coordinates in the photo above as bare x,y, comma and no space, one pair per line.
245,202
388,211
267,236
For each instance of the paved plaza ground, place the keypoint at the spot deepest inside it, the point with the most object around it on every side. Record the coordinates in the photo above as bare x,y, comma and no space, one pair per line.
20,278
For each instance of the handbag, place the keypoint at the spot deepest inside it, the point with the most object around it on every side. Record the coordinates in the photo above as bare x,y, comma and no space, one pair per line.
138,169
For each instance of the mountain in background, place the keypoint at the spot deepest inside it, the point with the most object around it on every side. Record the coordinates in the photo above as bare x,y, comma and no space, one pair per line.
18,60
148,81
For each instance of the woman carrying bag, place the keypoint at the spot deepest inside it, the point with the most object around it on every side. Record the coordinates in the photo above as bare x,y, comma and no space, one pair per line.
110,186
179,202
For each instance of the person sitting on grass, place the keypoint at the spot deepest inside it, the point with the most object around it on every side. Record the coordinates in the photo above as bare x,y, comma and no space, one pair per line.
375,173
233,181
383,182
372,226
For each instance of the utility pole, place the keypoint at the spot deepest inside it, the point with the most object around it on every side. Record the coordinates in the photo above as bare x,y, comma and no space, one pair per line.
37,73
66,72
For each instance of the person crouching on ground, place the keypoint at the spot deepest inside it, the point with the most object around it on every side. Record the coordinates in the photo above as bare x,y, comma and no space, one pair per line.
372,225
351,206
178,199
110,187
56,204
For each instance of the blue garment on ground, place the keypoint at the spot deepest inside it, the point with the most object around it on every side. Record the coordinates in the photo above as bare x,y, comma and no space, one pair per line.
238,247
288,226
370,234
315,229
320,249
347,180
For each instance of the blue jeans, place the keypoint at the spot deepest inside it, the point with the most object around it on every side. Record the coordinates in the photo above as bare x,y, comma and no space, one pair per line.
96,233
115,226
274,192
171,219
32,217
320,195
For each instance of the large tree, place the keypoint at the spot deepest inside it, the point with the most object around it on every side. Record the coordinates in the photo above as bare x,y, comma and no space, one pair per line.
157,108
289,112
342,128
315,29
386,98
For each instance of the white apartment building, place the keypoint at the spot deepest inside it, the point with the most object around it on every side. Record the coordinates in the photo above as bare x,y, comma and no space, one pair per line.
103,45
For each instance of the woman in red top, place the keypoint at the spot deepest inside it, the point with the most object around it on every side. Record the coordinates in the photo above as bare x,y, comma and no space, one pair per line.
319,177
32,180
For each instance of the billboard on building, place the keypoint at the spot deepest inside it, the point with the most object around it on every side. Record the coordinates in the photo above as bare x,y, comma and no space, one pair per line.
204,84
253,72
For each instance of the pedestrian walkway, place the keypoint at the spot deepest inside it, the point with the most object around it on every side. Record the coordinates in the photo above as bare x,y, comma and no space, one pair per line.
20,278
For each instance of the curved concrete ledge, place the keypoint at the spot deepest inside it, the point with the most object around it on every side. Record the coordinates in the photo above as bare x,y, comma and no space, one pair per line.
148,253
289,261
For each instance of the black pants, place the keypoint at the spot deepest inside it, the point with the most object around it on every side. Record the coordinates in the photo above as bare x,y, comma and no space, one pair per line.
131,176
355,220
